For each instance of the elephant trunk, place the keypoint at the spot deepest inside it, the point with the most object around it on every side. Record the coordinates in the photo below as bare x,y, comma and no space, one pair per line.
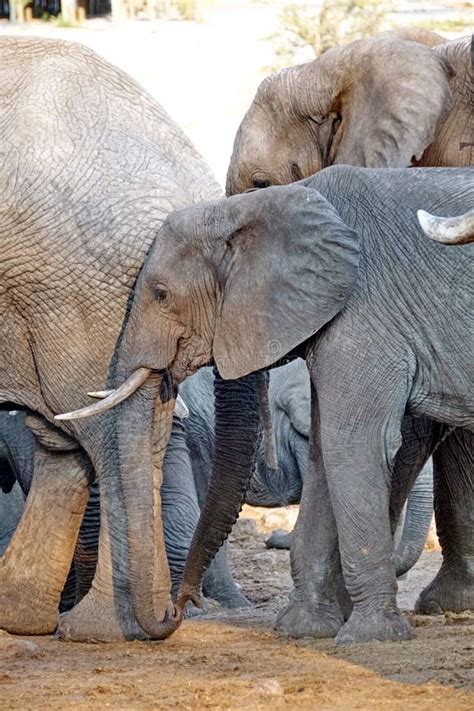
236,432
417,522
143,427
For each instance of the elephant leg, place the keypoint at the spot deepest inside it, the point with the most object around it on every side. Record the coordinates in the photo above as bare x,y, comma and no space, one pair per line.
219,584
419,438
180,511
318,603
179,505
360,429
85,555
453,467
36,564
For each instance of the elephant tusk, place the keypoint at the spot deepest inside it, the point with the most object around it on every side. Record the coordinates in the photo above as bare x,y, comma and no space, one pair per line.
449,230
100,394
133,382
180,409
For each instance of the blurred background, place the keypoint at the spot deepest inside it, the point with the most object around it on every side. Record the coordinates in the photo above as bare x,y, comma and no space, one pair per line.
204,59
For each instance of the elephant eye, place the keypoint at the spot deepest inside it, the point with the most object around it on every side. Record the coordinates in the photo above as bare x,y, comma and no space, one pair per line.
160,293
259,184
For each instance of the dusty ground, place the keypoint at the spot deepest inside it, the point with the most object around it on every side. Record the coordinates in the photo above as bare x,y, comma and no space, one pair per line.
235,660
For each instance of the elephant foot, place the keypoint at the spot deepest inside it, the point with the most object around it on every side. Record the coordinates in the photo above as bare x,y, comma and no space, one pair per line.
24,607
305,618
231,599
448,592
280,539
99,618
366,626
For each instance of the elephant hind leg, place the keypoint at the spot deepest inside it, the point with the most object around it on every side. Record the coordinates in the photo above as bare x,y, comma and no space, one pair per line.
35,566
453,470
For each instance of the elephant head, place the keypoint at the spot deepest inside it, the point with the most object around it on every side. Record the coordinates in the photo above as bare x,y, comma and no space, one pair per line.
376,102
289,396
449,230
241,281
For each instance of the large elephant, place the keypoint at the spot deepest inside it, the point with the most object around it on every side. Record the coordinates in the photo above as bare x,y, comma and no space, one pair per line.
377,102
289,396
335,270
90,167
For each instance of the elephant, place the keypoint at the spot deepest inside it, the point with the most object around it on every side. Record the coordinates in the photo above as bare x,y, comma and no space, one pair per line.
377,102
336,270
449,230
180,510
289,395
90,167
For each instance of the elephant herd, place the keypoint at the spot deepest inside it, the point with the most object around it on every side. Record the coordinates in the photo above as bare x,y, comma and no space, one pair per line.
319,331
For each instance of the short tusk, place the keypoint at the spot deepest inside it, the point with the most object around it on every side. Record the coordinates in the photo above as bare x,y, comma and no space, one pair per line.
136,379
449,230
180,409
100,394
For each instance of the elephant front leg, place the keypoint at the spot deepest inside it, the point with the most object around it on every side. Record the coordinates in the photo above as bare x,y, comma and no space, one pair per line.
453,467
35,566
318,604
359,453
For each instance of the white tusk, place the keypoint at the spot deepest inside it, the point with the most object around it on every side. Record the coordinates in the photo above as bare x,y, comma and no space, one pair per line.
450,230
180,409
133,382
100,394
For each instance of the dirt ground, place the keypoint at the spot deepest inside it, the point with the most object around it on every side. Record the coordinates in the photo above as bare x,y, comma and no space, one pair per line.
233,660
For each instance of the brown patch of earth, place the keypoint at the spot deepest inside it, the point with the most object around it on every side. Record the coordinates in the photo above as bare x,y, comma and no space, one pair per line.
233,660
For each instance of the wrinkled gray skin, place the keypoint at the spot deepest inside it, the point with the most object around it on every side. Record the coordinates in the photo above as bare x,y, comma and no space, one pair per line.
180,509
289,397
82,197
338,270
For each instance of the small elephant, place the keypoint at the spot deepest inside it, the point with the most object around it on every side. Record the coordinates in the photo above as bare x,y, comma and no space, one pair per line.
382,102
449,230
335,270
289,395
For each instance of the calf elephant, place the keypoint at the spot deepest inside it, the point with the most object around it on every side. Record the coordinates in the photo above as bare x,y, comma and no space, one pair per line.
289,397
377,102
82,196
337,271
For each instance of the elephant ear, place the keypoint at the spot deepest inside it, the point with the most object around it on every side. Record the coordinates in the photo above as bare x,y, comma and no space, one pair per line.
390,94
290,266
294,396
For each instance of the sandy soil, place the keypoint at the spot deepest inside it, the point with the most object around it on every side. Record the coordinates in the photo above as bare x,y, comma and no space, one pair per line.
233,660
